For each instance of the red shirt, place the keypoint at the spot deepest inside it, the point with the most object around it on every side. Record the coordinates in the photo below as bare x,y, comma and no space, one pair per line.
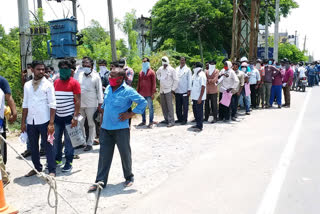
287,75
65,91
147,83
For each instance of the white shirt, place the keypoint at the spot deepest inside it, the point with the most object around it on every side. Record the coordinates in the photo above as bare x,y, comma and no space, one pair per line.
254,76
168,79
39,102
198,80
2,96
91,89
302,72
185,79
228,82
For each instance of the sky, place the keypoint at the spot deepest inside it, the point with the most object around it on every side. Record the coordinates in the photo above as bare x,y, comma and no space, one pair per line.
303,20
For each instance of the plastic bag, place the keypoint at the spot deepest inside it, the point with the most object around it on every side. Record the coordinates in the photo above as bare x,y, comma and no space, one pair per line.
23,137
75,135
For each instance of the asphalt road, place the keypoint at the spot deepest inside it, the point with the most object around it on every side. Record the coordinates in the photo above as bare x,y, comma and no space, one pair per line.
267,165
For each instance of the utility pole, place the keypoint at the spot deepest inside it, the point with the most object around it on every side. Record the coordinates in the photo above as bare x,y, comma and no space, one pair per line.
112,34
295,38
25,38
266,47
74,8
304,44
39,4
276,32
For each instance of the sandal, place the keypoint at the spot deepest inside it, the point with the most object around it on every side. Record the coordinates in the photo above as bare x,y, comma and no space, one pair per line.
93,188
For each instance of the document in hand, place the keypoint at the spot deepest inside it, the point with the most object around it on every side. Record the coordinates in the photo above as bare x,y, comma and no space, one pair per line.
226,98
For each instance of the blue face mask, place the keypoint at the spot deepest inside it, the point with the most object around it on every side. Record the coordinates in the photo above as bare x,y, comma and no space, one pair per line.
145,67
270,62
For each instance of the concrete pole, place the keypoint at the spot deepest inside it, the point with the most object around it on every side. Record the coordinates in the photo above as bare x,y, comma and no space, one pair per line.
266,47
112,34
25,38
295,38
276,32
74,8
39,4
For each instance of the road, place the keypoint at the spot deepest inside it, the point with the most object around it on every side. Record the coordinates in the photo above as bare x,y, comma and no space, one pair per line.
268,164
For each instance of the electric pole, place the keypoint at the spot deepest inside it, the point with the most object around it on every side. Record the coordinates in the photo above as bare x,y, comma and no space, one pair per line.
112,34
276,32
304,44
74,8
295,38
266,47
39,4
25,38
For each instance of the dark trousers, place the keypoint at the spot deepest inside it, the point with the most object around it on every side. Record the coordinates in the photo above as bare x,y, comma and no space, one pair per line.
33,134
182,107
60,128
254,95
311,80
224,111
4,145
234,105
287,95
108,140
276,93
211,106
198,113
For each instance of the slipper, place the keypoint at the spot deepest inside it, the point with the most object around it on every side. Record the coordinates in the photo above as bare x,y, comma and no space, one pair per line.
31,173
93,188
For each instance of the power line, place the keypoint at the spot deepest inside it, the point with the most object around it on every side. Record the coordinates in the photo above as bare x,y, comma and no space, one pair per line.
51,8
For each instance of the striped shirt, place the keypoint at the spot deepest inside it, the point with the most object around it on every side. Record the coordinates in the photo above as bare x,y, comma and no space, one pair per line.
65,91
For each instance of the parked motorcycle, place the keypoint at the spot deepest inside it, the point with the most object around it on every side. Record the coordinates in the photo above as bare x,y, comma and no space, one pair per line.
302,84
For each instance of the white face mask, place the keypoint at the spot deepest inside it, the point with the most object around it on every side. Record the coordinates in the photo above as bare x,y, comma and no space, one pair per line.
196,70
258,66
212,68
244,69
102,68
87,70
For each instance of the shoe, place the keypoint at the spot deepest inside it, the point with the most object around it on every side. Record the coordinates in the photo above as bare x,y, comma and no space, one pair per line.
129,182
164,122
193,121
205,120
247,113
170,125
42,152
76,157
150,126
284,105
233,119
67,167
26,154
177,121
52,174
93,188
197,130
87,148
59,163
194,127
184,123
279,106
142,124
31,173
96,142
214,121
80,147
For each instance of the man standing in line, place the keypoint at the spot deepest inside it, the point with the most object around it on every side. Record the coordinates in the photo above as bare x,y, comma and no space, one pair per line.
254,80
236,92
91,99
211,103
287,83
115,127
168,83
182,93
147,89
276,87
261,93
129,71
104,73
67,91
39,108
198,95
269,69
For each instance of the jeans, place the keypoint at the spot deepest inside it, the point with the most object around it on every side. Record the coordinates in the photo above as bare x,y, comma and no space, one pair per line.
211,106
276,92
108,140
60,128
245,99
234,105
198,113
224,111
182,107
167,107
311,80
88,113
33,134
150,106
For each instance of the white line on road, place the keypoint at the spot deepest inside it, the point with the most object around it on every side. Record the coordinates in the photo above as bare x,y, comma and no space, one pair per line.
271,195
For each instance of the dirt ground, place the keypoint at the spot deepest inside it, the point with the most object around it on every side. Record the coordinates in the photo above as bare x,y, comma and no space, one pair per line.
157,153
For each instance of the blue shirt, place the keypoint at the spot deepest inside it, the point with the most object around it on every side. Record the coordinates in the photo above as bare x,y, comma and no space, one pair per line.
4,85
119,101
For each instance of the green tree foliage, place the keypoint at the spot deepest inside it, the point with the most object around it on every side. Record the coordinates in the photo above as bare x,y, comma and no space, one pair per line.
291,52
10,61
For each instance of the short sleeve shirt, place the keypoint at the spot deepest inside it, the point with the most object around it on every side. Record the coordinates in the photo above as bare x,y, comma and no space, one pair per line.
198,80
4,85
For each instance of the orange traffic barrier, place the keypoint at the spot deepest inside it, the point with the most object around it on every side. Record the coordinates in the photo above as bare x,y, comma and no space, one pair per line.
4,207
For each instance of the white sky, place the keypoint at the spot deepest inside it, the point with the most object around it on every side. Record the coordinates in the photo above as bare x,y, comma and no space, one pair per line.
304,19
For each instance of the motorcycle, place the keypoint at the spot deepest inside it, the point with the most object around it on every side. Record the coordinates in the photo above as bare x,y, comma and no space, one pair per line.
302,84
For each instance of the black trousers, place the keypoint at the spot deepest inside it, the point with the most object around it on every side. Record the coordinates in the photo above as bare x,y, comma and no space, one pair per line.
254,95
234,105
211,106
3,144
108,139
224,111
198,113
182,107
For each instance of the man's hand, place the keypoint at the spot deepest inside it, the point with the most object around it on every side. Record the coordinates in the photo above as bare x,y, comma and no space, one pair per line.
189,92
51,128
173,92
228,90
238,94
226,75
23,127
152,96
12,118
99,108
199,100
125,116
74,123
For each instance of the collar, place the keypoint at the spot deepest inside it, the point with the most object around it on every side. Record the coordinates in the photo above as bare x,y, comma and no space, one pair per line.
123,85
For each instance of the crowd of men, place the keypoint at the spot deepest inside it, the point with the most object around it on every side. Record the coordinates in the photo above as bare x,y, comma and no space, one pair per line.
101,102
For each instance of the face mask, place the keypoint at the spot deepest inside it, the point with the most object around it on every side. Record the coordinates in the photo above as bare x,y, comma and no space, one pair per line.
278,66
244,69
196,70
51,75
65,73
258,66
29,72
270,62
114,81
164,63
145,67
102,68
226,68
211,68
87,70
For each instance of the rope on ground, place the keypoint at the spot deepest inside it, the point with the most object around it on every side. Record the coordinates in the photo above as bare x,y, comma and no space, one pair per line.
48,179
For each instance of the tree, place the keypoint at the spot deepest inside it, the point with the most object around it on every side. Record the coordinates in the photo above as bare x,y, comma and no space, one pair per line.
291,52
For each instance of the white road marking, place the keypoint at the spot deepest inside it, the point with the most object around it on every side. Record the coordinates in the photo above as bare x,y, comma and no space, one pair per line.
271,195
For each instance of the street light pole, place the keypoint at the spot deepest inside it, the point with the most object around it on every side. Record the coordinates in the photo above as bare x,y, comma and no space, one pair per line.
276,32
266,47
112,34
